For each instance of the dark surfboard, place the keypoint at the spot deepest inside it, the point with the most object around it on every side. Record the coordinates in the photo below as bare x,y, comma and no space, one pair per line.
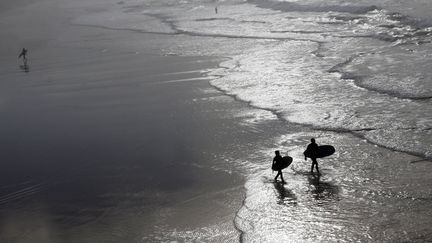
287,160
323,151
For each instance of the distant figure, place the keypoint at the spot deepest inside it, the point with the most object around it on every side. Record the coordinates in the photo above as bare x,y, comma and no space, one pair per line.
278,160
23,54
313,151
216,10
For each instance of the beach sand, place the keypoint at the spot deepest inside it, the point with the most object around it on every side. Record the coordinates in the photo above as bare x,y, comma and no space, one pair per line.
106,140
114,134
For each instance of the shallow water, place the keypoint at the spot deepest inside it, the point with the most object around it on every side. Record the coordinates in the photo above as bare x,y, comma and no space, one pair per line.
357,67
354,74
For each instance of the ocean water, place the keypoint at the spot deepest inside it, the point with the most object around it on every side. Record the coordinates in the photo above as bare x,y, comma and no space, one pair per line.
352,66
354,74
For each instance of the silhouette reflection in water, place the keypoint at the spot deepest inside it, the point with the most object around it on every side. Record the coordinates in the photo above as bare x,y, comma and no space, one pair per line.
25,68
323,190
285,195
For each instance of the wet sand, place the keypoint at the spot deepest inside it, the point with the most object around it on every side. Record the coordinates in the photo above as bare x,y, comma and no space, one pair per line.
104,141
107,140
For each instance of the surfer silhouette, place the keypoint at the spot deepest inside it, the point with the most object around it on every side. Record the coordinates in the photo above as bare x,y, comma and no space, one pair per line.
278,160
23,54
312,148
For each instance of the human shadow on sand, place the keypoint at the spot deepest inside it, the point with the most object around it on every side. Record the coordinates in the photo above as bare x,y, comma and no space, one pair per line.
323,191
285,196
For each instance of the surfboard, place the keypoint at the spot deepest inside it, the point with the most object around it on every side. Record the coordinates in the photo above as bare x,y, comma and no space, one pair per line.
323,151
287,160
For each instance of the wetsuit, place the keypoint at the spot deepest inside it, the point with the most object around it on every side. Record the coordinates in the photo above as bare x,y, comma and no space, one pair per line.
278,160
313,151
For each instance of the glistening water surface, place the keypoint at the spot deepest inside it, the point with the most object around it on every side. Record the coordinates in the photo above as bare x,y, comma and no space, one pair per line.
338,65
358,70
354,74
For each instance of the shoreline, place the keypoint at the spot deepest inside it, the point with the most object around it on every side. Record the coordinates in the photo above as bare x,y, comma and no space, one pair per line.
85,174
130,143
312,127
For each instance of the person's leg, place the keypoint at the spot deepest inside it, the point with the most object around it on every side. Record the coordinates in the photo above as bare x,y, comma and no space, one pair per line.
277,175
312,166
281,176
315,162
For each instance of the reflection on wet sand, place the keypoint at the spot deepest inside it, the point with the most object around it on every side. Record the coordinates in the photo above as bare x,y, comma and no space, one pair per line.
285,195
323,191
25,68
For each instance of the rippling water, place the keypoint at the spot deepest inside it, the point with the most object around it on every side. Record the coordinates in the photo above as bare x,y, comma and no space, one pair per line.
355,74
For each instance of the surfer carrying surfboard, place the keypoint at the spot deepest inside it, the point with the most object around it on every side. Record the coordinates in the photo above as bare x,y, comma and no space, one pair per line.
277,162
313,151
